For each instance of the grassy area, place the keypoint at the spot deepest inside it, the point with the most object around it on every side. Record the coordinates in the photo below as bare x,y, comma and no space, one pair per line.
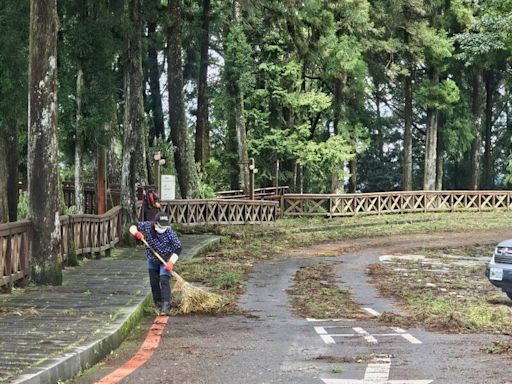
315,294
226,266
441,294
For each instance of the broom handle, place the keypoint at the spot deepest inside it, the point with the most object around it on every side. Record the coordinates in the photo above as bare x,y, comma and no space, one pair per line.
154,252
175,274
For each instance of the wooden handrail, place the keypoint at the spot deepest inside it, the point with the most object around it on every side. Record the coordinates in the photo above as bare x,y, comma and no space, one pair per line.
80,234
331,205
87,234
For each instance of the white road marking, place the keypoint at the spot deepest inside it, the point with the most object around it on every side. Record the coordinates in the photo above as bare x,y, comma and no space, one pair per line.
376,373
410,338
325,337
328,338
371,311
369,338
407,336
326,320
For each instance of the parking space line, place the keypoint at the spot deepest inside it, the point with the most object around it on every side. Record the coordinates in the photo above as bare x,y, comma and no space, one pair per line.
369,338
371,311
328,338
377,372
407,336
410,338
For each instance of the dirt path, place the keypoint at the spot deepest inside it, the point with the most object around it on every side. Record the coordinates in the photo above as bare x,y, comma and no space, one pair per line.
270,345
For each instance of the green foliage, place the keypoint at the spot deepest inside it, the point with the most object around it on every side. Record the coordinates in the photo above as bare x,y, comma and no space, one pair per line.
458,132
22,205
325,157
440,96
508,177
14,23
238,59
90,44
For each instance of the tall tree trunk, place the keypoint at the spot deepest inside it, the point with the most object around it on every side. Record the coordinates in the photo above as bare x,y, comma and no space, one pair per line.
114,164
429,175
352,166
243,155
141,170
101,195
440,157
202,143
12,170
4,175
476,108
337,186
157,129
241,129
133,116
408,118
79,144
43,176
489,91
183,159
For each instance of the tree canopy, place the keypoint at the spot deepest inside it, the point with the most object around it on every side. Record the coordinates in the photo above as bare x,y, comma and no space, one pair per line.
340,96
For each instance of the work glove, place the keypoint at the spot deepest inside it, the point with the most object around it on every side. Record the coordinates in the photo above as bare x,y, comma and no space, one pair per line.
169,266
139,235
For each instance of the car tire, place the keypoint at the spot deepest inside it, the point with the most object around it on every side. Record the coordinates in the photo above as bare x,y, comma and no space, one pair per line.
509,294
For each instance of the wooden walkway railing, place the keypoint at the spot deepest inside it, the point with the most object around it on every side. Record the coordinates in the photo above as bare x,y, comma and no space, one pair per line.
220,211
81,234
92,234
14,251
393,202
259,193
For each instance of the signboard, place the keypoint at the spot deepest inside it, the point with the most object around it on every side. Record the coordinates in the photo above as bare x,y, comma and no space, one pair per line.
168,187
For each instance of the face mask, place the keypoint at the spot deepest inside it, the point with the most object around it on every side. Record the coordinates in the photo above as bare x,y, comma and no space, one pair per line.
160,230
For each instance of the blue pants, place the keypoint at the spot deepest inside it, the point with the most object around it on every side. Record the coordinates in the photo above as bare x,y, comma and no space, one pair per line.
160,285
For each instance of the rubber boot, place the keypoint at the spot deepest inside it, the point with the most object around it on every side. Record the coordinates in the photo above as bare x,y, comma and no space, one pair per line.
166,309
158,305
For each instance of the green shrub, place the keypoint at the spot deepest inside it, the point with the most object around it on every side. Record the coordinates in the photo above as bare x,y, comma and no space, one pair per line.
23,205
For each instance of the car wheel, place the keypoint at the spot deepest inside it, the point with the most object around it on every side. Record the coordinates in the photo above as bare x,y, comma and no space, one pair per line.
509,294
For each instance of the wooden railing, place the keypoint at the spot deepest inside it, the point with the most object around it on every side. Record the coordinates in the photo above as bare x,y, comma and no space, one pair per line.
393,202
14,251
220,211
90,234
113,196
80,234
259,193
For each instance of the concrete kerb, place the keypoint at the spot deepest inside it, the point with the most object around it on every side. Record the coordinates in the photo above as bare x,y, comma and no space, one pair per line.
202,246
71,364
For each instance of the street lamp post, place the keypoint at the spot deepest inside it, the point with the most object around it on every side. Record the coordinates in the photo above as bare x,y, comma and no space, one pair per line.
252,171
158,162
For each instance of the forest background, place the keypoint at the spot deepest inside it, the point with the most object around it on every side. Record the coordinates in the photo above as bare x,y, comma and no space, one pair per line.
327,96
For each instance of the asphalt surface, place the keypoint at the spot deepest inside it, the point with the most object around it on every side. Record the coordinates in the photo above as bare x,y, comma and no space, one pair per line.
270,345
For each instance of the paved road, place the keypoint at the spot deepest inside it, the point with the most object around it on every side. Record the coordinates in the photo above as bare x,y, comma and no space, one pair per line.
269,345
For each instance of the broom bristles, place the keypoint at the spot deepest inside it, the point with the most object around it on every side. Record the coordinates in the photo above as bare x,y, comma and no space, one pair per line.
194,299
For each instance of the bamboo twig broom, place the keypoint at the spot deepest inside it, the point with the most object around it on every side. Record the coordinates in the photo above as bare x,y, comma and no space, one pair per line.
193,299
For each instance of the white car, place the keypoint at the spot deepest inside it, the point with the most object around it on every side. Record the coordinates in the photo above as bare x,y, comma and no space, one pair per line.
499,269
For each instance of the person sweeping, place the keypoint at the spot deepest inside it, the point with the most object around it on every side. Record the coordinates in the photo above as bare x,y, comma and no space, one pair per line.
158,236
